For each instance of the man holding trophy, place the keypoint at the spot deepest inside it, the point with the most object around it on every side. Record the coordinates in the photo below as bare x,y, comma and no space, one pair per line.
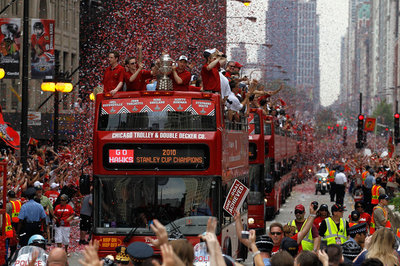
180,75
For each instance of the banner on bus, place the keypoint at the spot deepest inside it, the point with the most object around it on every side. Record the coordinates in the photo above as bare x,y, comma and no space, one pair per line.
236,196
370,124
10,46
42,48
158,104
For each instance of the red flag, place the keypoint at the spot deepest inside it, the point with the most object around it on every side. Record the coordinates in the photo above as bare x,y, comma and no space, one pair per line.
390,146
8,134
33,141
283,103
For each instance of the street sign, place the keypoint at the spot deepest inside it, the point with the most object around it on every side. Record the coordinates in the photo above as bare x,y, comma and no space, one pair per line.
34,118
370,124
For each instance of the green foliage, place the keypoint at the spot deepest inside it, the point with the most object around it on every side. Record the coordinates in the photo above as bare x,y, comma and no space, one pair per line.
384,115
325,117
396,202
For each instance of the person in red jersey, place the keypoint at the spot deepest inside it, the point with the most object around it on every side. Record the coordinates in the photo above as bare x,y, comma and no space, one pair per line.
322,214
180,75
210,71
40,42
113,78
135,78
53,193
63,216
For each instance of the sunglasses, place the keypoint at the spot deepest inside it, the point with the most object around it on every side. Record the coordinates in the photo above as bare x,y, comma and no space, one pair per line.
298,212
276,233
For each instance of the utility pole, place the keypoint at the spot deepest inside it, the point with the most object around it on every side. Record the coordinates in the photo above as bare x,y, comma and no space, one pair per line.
25,98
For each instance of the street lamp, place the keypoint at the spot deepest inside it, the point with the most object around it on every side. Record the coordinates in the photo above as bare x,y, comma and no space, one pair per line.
2,73
59,84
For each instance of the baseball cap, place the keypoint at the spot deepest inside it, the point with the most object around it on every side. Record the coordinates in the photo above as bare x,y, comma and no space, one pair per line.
383,196
299,207
37,184
290,245
323,207
355,215
54,185
337,208
237,64
209,52
183,57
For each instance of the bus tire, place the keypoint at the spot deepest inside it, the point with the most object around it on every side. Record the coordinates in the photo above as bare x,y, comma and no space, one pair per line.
227,249
243,251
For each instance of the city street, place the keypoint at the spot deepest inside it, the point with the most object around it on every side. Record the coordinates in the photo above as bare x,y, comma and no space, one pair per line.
301,194
304,194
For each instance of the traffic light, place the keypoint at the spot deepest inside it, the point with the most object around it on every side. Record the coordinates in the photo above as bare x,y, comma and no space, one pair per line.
396,128
360,132
344,136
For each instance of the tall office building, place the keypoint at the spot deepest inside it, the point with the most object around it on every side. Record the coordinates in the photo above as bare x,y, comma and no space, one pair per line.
293,31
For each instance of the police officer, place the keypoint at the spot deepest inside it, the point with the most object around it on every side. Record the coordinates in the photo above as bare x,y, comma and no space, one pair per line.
368,183
31,218
333,230
139,252
341,181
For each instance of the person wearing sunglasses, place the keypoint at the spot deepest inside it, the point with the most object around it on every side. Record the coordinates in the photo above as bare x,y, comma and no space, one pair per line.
364,216
333,230
63,214
298,223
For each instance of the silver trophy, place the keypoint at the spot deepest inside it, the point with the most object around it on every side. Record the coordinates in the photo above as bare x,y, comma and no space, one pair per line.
165,83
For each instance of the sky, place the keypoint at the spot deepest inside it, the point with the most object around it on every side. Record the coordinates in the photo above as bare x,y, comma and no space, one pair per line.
333,23
333,15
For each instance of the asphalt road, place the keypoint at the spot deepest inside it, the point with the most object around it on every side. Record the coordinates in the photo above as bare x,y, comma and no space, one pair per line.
304,194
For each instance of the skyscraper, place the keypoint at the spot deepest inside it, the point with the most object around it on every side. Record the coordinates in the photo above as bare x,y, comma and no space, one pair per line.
293,31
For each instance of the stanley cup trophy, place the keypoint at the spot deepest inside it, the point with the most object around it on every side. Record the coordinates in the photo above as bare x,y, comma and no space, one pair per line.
165,83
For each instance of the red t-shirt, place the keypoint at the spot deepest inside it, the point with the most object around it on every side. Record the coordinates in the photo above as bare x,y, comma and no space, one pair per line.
275,249
139,84
112,77
63,213
52,195
185,76
317,221
211,79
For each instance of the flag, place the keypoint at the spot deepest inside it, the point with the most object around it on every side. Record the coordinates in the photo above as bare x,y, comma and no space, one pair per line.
8,134
390,146
33,142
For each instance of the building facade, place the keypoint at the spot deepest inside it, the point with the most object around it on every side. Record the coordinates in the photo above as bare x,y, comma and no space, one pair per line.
66,15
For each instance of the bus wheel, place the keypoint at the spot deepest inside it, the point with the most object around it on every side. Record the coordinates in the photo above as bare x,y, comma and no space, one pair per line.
227,249
243,251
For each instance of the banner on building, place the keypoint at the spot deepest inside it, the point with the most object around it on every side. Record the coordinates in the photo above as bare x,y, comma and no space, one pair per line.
42,48
10,46
370,124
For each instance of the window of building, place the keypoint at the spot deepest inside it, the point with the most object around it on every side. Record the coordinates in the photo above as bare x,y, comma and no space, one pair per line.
43,9
3,95
14,98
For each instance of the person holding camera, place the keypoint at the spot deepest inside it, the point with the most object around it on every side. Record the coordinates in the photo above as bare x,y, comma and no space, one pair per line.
63,214
210,70
310,241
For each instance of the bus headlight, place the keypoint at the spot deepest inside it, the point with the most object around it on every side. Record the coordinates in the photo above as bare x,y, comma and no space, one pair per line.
250,221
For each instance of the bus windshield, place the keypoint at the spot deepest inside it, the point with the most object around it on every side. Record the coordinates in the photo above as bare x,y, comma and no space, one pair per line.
133,202
157,113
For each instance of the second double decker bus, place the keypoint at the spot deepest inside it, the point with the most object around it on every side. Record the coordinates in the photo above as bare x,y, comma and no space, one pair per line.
165,155
272,155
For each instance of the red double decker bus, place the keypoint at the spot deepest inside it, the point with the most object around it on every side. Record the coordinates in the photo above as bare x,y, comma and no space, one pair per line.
166,155
272,156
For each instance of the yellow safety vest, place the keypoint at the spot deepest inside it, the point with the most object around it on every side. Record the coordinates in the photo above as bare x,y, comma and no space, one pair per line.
332,231
373,226
16,208
307,243
375,194
8,229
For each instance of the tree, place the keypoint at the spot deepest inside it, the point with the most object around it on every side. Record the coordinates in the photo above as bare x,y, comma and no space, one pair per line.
384,116
325,117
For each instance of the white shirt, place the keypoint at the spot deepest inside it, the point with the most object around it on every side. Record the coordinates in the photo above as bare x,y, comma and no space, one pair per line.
340,179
